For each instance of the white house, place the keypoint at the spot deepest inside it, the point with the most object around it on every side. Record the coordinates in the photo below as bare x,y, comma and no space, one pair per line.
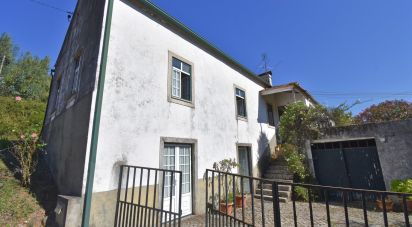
134,86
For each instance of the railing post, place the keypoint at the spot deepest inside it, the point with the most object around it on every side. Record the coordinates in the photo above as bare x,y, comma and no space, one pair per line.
276,207
207,188
119,188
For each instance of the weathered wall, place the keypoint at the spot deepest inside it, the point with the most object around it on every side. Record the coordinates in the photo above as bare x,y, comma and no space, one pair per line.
136,112
67,118
393,141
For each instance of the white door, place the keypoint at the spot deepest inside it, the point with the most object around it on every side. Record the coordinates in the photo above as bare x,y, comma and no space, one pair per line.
178,157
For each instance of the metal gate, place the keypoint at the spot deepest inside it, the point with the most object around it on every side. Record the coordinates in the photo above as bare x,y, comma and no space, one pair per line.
354,164
142,195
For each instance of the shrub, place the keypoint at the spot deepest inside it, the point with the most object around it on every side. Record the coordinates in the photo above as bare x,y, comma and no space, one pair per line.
19,116
301,194
402,186
295,160
25,150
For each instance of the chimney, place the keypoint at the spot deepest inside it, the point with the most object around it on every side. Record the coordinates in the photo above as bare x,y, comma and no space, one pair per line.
267,77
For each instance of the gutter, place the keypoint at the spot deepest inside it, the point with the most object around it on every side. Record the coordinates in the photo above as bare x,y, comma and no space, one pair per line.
96,119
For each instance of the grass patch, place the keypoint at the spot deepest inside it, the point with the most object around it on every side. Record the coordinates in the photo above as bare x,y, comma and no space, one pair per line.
17,205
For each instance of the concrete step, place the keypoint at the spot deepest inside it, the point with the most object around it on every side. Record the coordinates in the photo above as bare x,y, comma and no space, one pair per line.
278,167
278,171
278,176
282,194
270,198
280,187
265,191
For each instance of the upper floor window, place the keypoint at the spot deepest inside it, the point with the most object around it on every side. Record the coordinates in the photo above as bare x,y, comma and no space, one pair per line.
271,118
181,85
240,103
58,90
76,76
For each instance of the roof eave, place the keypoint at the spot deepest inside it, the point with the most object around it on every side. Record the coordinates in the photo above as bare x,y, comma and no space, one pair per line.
168,20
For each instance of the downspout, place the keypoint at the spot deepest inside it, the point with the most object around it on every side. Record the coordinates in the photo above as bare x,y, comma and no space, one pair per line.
96,119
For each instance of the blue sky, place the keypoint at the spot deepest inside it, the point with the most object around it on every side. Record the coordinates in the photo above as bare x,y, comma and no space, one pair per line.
338,50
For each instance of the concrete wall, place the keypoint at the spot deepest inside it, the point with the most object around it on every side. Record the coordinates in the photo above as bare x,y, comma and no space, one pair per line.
68,114
393,142
136,112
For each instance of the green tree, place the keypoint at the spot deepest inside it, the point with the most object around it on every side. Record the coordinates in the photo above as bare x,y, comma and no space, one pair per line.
340,115
7,51
390,110
300,123
26,76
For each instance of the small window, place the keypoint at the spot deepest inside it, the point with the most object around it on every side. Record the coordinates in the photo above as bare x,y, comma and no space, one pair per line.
181,80
281,111
76,76
56,101
240,103
271,119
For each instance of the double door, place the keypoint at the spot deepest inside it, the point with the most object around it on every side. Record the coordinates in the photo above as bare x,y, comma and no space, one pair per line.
178,157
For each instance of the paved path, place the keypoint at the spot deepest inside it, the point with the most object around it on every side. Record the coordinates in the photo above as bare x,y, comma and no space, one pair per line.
337,214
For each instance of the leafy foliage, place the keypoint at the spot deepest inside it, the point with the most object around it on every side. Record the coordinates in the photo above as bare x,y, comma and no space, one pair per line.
301,194
26,76
17,117
341,115
7,50
295,160
390,110
402,186
300,123
25,150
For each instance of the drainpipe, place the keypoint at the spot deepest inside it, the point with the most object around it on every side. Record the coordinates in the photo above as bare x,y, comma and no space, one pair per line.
96,119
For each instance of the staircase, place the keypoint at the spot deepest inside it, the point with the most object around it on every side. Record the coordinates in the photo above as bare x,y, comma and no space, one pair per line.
277,171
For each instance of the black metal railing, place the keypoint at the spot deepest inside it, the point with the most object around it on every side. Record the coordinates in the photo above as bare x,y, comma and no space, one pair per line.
226,195
147,197
311,205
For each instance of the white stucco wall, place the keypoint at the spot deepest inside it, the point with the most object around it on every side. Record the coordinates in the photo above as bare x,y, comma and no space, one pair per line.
136,112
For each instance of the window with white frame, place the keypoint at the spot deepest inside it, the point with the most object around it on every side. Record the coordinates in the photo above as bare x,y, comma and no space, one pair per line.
181,84
240,103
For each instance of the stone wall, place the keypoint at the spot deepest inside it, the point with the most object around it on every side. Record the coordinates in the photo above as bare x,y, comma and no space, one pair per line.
393,142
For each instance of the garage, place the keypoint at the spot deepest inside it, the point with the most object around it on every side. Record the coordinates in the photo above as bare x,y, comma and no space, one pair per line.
353,164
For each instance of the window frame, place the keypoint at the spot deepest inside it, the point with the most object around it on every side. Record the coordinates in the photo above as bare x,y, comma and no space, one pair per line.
240,117
270,114
170,97
76,75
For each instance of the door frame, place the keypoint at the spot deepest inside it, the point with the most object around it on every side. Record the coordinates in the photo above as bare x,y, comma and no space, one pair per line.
194,163
249,154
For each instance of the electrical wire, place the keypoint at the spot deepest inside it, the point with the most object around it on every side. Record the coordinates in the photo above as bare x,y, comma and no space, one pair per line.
51,6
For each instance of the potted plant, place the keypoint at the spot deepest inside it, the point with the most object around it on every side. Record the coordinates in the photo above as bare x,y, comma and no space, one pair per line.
226,166
403,186
388,204
229,203
240,199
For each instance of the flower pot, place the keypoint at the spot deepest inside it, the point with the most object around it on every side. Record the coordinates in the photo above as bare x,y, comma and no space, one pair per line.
408,205
240,200
388,205
222,208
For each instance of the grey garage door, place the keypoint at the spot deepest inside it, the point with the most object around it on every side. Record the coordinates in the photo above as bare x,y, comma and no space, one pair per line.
353,164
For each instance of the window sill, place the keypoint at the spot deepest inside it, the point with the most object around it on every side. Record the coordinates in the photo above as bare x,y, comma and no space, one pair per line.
181,102
71,101
242,118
